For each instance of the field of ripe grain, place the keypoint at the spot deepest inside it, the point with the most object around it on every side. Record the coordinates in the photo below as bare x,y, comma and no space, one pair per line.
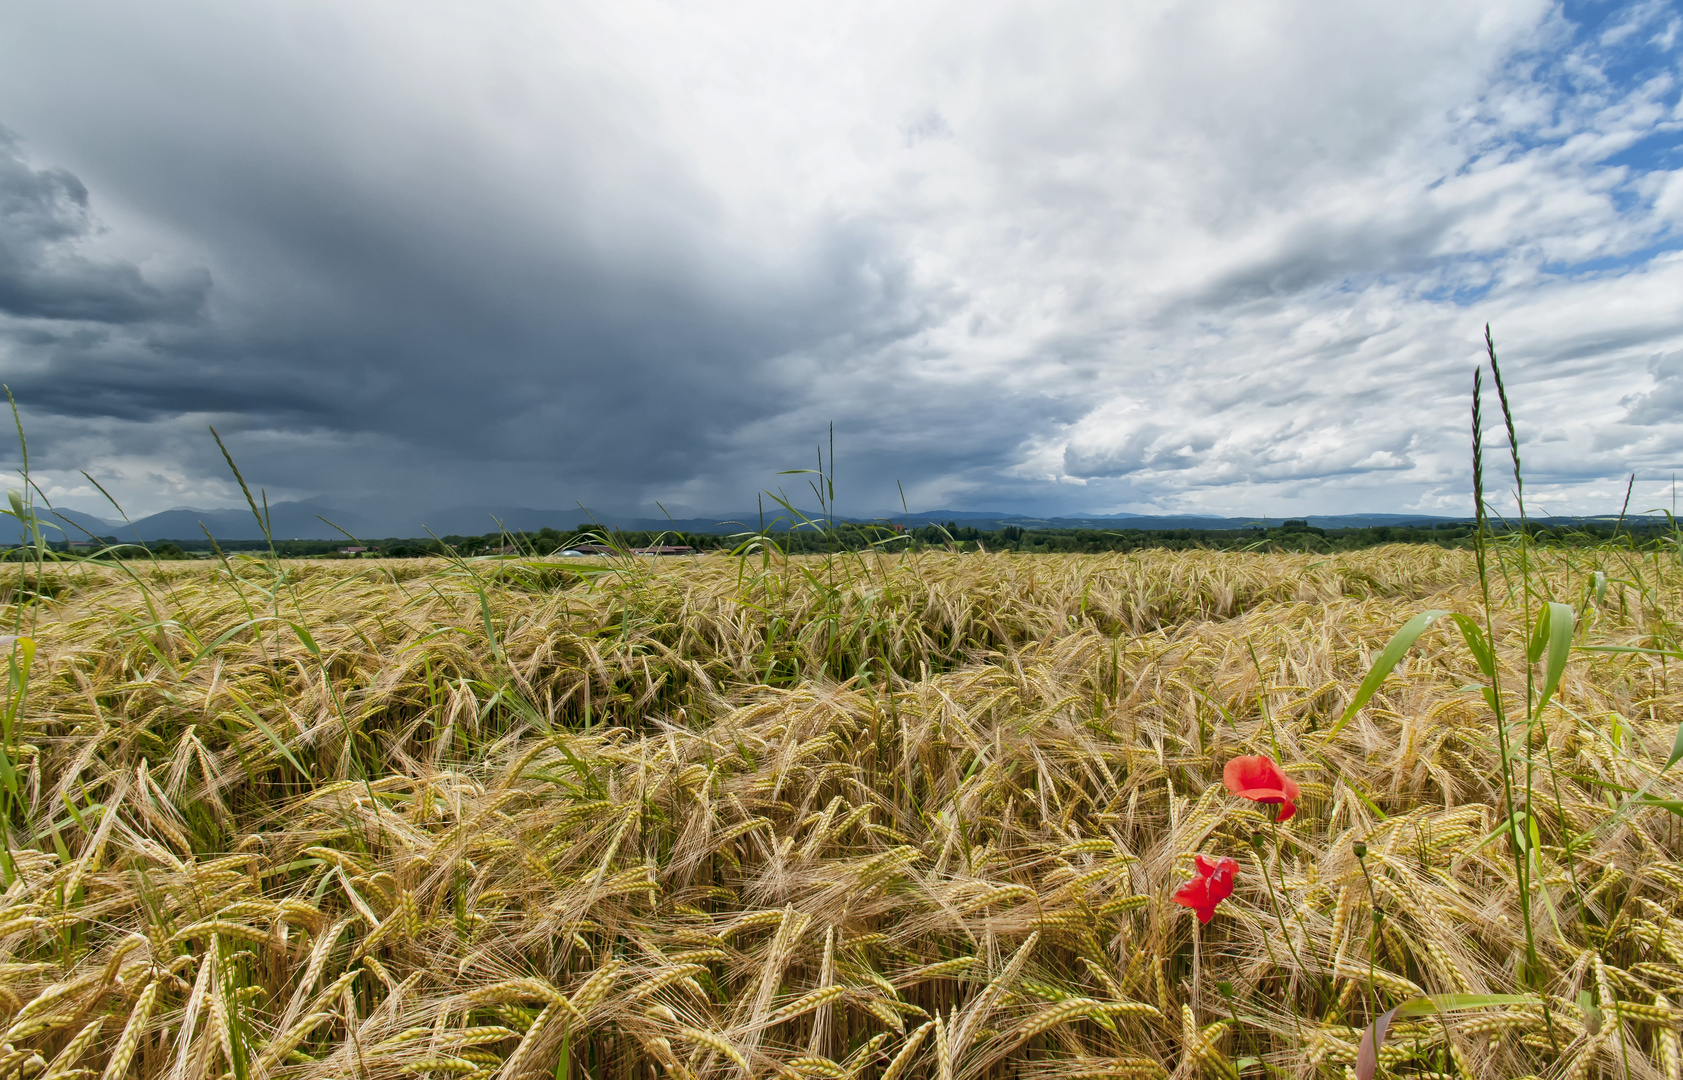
883,817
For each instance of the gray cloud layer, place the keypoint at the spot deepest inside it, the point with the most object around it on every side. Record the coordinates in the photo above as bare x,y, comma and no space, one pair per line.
1203,256
43,214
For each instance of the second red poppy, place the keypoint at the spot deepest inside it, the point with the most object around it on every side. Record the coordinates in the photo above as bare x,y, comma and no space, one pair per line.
1212,885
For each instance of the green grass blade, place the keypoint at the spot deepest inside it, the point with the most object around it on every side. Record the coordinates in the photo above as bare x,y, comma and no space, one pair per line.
1480,648
1673,653
250,714
18,663
1373,1039
1439,1003
1387,662
226,634
1555,625
305,638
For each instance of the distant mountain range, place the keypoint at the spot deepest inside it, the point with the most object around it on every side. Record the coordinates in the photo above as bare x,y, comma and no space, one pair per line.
288,521
309,521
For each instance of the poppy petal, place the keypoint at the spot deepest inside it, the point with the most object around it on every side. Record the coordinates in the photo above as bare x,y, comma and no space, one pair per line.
1253,772
1256,777
1212,883
1194,894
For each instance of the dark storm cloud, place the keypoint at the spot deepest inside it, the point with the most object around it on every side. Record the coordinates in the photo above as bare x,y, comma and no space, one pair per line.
402,308
445,332
44,215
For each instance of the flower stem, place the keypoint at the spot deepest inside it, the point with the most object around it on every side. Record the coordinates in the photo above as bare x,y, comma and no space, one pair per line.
1268,882
1374,915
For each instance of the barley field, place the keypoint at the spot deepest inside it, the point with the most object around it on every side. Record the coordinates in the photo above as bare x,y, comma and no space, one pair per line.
894,817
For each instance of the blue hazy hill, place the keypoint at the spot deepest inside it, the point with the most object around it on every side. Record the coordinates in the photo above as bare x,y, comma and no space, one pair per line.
309,521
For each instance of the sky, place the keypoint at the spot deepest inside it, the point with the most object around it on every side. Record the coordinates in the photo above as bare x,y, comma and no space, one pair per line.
1221,256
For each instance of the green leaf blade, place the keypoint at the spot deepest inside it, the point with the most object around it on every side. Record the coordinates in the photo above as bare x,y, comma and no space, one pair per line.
1392,654
1554,626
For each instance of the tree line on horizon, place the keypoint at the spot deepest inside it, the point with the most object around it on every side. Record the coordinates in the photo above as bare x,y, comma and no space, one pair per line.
1290,535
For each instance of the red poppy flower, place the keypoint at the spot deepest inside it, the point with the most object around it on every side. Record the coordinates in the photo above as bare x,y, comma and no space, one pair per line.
1213,884
1257,778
